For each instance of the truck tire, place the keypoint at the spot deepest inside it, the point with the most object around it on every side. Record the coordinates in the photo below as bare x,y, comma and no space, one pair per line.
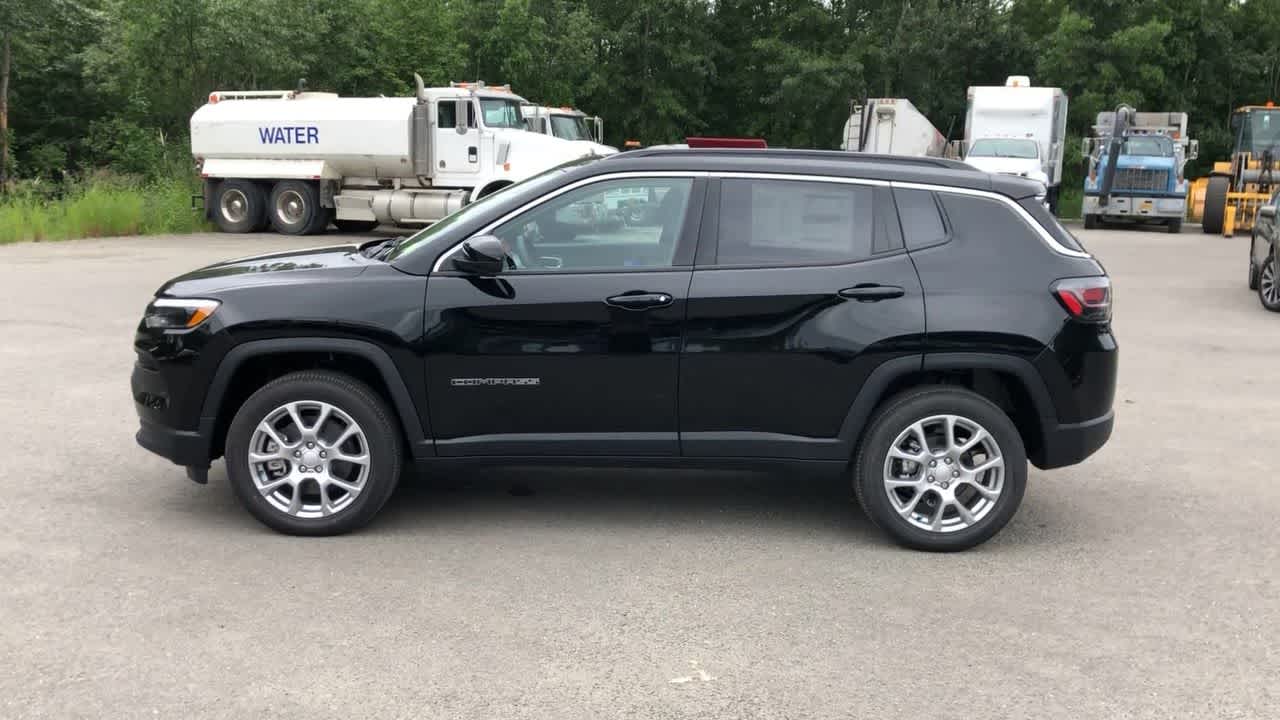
1052,199
1090,221
295,208
1215,204
1174,226
355,226
240,206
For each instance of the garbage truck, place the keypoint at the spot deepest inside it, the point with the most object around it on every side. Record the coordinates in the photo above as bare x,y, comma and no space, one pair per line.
891,126
1145,182
297,160
569,124
1017,129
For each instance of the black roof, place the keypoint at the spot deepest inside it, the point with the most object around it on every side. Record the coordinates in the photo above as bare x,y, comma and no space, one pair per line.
832,163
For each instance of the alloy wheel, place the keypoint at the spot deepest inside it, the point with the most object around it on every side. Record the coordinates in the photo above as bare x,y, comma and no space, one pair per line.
309,459
944,473
1269,280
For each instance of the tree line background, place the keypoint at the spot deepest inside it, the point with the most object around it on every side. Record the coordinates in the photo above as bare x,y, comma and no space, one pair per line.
91,84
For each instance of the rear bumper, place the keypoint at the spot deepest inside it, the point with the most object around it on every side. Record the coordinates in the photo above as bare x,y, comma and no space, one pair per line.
1068,444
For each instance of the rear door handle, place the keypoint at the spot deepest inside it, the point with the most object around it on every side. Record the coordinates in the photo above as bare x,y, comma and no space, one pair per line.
870,292
639,300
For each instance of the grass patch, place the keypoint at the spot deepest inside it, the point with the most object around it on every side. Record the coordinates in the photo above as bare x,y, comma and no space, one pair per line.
1070,201
101,209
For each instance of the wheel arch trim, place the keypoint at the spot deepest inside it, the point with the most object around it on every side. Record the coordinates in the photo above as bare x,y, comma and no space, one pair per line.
401,400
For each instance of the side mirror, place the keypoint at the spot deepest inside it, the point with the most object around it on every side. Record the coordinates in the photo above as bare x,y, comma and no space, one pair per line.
1267,211
482,255
461,107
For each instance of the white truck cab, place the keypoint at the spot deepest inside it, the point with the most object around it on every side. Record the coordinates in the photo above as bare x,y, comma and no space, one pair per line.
569,124
296,160
1018,129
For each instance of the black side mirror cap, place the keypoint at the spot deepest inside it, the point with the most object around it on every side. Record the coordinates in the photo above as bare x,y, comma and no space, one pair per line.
483,255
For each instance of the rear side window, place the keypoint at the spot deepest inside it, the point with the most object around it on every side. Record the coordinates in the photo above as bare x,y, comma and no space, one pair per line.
922,223
984,217
793,222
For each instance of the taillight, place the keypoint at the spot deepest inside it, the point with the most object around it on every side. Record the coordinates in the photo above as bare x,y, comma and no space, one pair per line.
1087,299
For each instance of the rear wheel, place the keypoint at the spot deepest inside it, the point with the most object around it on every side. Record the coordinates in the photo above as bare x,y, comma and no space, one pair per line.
355,226
1269,282
1215,204
239,206
940,469
313,453
295,208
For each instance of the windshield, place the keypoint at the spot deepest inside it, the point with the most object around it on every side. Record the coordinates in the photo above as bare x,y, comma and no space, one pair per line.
1005,147
571,127
502,113
530,188
1261,131
1153,146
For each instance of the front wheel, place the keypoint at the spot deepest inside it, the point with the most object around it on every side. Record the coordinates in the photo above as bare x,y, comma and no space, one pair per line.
1174,226
313,453
1269,282
940,469
355,226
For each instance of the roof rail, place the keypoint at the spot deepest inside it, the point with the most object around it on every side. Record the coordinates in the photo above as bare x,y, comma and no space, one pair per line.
833,155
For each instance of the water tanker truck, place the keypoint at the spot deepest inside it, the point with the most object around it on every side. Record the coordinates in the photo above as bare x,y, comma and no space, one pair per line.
296,160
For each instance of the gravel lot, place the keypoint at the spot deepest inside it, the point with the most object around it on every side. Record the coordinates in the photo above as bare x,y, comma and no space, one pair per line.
1142,584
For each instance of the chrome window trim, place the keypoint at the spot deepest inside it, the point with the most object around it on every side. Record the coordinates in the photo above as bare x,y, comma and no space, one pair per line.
488,229
1048,239
1026,217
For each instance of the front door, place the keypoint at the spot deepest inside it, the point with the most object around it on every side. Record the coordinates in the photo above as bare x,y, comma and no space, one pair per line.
574,349
457,154
801,288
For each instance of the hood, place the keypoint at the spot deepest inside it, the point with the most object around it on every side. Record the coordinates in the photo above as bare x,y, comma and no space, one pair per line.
1026,167
595,148
281,268
532,152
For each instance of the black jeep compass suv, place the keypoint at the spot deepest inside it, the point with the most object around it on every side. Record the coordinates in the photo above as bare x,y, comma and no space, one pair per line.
924,327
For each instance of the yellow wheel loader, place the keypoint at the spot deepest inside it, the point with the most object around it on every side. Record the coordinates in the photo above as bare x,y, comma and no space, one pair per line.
1228,199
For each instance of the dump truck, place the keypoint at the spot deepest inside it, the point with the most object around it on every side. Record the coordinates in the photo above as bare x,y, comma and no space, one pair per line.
569,124
296,160
1228,199
1145,183
891,126
1017,129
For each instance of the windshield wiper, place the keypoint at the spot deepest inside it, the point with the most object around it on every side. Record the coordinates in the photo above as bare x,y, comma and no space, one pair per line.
380,250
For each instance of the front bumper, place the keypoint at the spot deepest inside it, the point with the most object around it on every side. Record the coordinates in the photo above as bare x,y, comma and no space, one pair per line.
1068,444
154,403
1137,206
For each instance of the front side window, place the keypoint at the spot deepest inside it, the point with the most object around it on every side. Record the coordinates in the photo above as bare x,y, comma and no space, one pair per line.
447,115
609,225
502,113
1005,147
793,222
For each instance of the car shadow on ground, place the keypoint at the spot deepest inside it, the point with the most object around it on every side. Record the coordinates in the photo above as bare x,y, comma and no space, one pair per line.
595,502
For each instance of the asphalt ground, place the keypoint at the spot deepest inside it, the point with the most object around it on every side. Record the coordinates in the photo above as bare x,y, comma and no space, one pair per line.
1141,584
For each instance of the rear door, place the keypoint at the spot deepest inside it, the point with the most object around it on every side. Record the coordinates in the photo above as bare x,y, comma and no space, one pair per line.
574,349
801,288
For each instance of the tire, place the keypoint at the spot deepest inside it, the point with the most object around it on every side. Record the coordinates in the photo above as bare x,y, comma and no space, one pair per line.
1269,282
1090,222
377,439
1215,204
1052,199
240,206
355,226
1253,269
892,425
1174,227
295,209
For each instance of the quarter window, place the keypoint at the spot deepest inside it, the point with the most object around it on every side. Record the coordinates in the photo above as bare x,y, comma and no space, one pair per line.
793,222
610,225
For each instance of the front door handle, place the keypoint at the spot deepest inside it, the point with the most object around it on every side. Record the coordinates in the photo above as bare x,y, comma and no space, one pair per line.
870,292
639,300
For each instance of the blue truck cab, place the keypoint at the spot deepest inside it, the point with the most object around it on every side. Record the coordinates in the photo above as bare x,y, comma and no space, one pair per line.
1145,183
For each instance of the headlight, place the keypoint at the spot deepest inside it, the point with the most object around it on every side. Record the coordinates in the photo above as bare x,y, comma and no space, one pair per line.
178,314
